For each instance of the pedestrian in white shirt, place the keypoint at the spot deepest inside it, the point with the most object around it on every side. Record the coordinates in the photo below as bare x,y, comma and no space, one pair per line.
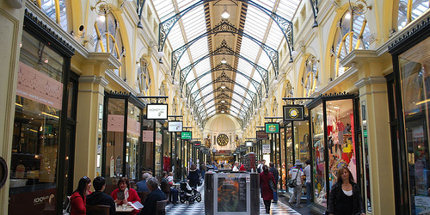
307,172
296,173
235,167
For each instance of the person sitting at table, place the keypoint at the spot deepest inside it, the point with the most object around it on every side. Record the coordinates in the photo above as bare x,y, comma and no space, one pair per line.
141,185
124,194
99,197
78,198
150,204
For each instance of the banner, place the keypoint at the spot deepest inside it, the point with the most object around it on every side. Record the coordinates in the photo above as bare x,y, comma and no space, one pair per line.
148,136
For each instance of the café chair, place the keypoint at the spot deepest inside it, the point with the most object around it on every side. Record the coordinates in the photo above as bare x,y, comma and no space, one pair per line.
161,207
142,196
98,209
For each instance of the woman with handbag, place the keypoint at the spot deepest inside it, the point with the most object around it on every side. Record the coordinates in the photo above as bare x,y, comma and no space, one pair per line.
267,182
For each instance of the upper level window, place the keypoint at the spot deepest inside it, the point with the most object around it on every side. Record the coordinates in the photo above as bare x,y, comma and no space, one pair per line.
108,39
56,10
409,10
310,76
352,33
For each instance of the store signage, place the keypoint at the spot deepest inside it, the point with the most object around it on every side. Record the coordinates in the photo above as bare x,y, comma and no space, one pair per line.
261,135
197,143
39,87
175,126
266,148
248,143
293,112
116,124
272,128
186,135
232,193
156,111
147,136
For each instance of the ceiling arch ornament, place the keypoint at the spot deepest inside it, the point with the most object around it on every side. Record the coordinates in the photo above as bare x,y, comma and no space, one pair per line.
225,67
224,49
224,27
286,26
223,91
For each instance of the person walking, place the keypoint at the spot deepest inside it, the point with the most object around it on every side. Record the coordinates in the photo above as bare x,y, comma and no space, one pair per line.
344,197
296,173
307,172
266,178
193,176
275,173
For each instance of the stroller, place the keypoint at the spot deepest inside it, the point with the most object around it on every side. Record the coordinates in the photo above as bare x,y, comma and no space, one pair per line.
189,194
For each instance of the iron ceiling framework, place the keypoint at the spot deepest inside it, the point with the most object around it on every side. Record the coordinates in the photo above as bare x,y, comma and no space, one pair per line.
198,98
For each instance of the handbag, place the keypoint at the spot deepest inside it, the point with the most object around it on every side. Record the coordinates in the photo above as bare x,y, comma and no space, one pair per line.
271,185
293,182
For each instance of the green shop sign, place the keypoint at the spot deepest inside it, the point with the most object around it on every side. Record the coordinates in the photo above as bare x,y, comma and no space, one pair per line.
272,128
186,135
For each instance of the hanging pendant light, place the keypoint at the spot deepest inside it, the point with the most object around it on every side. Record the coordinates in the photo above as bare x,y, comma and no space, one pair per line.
225,14
223,61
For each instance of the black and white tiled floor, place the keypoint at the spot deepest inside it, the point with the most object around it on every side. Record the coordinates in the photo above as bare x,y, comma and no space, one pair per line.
199,208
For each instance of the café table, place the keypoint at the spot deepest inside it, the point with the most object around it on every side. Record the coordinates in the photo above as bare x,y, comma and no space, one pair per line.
119,209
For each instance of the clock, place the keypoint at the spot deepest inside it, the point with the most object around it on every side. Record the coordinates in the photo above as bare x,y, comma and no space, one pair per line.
222,140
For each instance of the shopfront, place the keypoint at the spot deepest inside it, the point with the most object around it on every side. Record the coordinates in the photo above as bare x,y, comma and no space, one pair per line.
335,142
409,96
41,169
122,145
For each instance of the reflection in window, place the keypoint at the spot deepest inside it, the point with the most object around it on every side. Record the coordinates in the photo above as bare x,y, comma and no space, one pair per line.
415,85
55,9
352,33
310,76
320,193
409,10
108,39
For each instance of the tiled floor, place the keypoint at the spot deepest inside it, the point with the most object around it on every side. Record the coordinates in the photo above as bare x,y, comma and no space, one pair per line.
199,208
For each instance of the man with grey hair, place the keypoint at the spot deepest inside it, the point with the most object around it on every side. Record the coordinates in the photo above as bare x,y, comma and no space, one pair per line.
150,204
141,185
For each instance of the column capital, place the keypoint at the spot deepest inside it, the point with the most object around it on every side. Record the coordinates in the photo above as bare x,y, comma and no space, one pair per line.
94,79
369,81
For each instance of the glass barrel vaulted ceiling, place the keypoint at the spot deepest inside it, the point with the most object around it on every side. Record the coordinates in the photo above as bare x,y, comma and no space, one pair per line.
224,83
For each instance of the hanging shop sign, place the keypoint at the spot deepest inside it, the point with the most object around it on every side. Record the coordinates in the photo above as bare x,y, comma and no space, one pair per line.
266,148
175,126
156,111
294,112
261,135
197,143
248,143
186,135
272,128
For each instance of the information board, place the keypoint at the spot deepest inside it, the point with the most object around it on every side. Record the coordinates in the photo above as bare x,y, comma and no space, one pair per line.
232,193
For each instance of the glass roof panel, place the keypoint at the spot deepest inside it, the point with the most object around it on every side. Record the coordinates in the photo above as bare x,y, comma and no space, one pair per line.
210,109
237,98
207,89
208,98
177,34
239,90
241,80
287,9
244,67
203,66
194,22
199,48
255,23
275,37
164,9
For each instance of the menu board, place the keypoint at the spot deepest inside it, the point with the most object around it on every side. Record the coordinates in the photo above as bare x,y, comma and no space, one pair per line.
232,193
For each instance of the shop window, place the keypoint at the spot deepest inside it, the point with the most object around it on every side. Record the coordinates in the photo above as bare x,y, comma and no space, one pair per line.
115,139
36,131
301,141
132,145
409,10
310,76
320,192
352,33
415,84
107,38
56,10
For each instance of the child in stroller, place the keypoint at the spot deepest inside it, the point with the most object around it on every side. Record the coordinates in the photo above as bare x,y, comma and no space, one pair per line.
189,194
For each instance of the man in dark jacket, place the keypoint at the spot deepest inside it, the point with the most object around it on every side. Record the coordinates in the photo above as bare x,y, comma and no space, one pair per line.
156,194
275,174
99,197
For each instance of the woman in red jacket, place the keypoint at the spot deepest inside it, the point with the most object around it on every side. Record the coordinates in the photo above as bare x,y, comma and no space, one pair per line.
124,194
266,190
78,198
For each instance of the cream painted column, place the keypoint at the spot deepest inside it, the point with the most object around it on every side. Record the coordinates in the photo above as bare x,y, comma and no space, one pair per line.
373,93
11,20
90,102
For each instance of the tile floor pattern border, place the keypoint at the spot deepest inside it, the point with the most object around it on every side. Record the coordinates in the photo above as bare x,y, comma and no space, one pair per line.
198,208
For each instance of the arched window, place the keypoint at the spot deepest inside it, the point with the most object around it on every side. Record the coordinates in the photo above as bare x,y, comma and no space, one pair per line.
56,10
310,76
143,77
410,10
352,33
108,39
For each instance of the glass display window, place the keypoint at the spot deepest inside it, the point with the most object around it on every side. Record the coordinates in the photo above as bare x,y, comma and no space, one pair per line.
334,142
133,139
415,84
301,140
36,130
114,157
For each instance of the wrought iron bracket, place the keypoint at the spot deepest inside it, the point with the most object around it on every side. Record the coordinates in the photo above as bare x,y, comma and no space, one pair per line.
314,4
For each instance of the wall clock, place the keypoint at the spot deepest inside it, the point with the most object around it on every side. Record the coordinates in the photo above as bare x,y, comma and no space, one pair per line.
222,140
